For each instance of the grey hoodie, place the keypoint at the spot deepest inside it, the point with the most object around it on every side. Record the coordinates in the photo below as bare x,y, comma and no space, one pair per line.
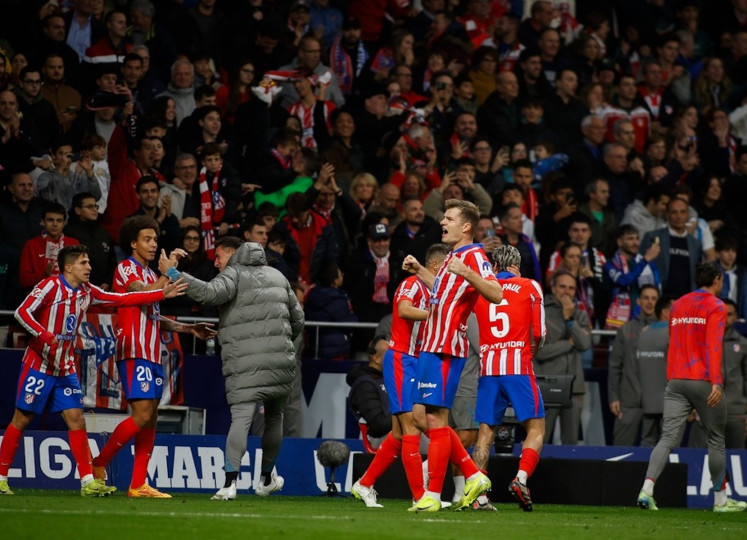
637,215
258,318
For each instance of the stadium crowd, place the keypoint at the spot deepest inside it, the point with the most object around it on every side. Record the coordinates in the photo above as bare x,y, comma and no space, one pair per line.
602,139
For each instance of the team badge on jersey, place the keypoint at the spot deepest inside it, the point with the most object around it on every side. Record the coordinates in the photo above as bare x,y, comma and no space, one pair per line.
29,399
144,386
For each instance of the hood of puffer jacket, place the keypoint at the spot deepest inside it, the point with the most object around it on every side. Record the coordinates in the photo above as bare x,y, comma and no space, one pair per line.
249,254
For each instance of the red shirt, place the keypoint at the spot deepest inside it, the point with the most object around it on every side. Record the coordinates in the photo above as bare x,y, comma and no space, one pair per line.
407,336
138,328
506,329
696,333
452,300
36,255
54,310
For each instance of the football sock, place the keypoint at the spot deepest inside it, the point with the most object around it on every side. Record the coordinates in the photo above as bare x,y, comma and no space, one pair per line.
387,453
527,464
231,477
719,497
125,431
412,461
8,449
439,451
648,486
459,482
80,450
266,478
144,440
459,455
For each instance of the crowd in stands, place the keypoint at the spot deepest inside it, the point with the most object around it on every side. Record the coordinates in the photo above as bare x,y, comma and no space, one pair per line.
602,139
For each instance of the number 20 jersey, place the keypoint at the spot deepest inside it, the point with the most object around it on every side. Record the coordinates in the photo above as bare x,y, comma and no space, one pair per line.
506,329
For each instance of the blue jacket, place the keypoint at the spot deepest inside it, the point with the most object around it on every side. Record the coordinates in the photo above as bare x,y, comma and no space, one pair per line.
332,305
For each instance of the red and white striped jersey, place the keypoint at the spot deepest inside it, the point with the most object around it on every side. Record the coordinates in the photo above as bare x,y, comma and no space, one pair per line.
407,336
308,117
138,328
506,329
52,313
452,299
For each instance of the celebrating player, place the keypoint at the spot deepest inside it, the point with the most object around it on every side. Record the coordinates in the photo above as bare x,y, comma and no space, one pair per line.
400,371
465,275
52,314
696,333
139,351
507,376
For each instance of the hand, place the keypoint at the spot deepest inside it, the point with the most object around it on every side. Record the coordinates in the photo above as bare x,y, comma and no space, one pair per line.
490,243
402,162
164,210
173,289
636,166
500,161
716,395
456,266
164,263
178,183
715,224
176,255
325,174
44,163
458,149
411,264
432,156
50,267
652,252
569,308
250,188
615,408
449,177
86,164
586,272
203,330
189,222
515,270
223,229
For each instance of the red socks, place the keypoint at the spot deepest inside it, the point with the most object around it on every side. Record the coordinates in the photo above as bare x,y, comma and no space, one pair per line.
8,449
413,464
125,431
144,440
439,451
387,453
528,461
81,451
460,457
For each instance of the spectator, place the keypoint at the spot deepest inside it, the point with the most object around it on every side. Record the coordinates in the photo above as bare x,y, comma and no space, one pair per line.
603,221
82,226
61,184
33,268
368,397
65,99
623,183
230,96
145,30
512,234
348,56
181,88
680,251
712,208
458,185
568,334
483,71
314,113
15,145
541,15
327,301
532,82
310,239
53,41
183,192
113,45
587,155
735,276
627,103
648,214
39,119
198,30
370,274
498,116
554,219
308,61
83,29
413,236
275,170
93,163
512,193
623,379
657,98
629,272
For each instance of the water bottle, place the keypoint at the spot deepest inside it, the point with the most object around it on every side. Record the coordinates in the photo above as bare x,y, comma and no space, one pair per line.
210,347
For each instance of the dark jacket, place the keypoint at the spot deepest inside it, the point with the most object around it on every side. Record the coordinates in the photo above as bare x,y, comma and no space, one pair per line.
369,400
325,250
100,248
329,304
402,245
662,261
623,378
359,281
498,120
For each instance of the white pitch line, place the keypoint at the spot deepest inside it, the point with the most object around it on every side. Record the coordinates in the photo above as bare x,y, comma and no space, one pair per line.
154,514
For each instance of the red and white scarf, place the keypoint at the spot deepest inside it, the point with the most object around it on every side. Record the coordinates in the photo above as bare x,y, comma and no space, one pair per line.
381,279
212,210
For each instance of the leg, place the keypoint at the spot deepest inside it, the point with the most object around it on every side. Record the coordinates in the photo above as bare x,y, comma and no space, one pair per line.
650,429
76,425
292,418
11,440
412,461
145,416
714,422
627,426
570,421
551,417
481,452
272,438
236,441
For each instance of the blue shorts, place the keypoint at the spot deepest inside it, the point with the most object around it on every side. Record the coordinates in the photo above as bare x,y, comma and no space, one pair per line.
438,379
36,389
400,371
140,379
495,393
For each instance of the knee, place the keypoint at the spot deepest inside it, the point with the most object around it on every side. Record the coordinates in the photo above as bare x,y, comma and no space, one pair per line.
21,419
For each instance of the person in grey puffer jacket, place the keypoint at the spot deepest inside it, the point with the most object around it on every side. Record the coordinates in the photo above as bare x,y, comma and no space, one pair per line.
568,335
259,317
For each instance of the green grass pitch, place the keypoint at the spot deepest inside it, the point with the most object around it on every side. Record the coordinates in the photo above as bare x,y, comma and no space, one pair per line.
37,514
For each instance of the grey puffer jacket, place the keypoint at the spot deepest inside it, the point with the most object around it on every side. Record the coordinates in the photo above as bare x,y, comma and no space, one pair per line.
258,318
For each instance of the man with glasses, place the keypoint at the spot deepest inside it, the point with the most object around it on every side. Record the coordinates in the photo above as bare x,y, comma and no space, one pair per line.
39,120
309,61
83,226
